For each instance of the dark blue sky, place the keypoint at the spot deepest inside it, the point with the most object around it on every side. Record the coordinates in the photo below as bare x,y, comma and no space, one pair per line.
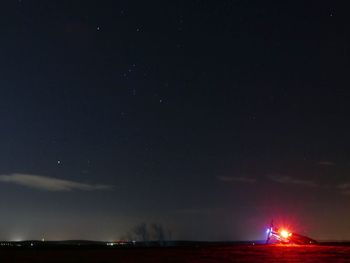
209,117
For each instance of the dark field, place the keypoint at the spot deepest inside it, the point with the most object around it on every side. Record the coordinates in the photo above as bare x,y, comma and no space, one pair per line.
235,253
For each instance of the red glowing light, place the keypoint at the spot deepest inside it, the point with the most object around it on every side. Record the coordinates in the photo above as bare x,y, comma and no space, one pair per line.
285,233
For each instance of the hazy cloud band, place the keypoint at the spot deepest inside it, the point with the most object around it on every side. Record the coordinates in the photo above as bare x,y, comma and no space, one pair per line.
49,183
292,180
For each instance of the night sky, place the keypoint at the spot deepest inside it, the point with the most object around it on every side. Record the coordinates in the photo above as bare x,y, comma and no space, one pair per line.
208,117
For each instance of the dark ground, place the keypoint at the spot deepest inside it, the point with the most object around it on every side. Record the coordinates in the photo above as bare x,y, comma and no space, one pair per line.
233,253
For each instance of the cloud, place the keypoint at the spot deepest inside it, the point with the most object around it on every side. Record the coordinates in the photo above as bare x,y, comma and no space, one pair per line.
49,183
240,179
327,163
344,188
291,180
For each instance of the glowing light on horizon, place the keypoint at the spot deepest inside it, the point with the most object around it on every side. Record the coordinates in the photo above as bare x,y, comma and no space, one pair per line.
285,233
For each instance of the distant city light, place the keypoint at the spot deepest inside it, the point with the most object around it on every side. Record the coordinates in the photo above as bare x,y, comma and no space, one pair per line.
285,233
